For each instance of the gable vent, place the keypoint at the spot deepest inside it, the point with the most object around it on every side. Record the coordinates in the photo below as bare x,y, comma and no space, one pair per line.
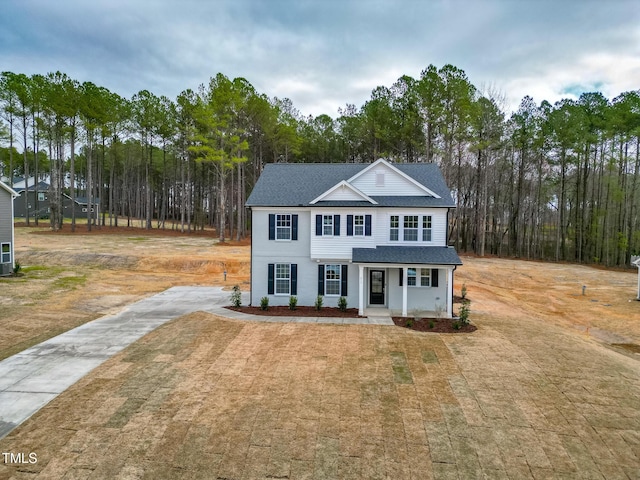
379,179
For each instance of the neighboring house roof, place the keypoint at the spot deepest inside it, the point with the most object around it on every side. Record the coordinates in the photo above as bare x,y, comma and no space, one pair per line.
11,191
407,255
42,186
298,184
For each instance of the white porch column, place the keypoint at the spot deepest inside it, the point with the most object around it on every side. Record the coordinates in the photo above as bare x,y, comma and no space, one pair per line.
360,289
404,291
450,292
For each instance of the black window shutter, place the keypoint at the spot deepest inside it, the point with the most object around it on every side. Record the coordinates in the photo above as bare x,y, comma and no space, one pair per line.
349,225
270,279
401,276
320,279
294,227
272,226
434,277
367,225
343,281
294,279
336,225
319,225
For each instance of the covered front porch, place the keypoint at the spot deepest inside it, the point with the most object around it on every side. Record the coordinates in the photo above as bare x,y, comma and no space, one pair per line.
406,280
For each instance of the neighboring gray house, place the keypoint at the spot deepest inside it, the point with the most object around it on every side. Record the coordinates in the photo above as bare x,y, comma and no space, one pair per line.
373,233
7,236
39,205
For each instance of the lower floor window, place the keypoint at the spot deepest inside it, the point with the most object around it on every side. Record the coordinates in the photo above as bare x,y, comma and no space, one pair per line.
424,275
283,279
332,279
6,253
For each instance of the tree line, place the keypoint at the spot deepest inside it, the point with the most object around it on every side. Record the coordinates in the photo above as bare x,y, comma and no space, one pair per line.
556,182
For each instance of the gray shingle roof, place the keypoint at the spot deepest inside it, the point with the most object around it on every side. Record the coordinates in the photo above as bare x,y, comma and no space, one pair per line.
407,255
297,184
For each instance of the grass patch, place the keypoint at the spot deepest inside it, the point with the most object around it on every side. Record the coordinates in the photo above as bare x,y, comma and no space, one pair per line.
401,372
429,356
70,282
138,239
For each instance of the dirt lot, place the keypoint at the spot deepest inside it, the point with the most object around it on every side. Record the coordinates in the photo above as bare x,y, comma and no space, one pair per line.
536,392
71,279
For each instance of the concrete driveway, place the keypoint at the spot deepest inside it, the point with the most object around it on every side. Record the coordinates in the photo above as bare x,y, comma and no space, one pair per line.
32,378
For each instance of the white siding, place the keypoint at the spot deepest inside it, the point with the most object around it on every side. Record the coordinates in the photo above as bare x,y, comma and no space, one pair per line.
438,226
394,184
343,193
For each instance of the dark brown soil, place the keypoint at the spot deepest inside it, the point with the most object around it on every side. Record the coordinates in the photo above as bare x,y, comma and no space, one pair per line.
443,325
301,311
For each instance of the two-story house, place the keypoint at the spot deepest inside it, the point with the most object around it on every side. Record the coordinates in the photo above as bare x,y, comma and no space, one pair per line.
7,262
375,234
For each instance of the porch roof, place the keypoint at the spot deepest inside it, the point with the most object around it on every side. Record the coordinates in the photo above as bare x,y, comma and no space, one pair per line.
407,255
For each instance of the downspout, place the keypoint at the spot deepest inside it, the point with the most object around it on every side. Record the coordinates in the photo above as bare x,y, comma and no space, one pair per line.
251,261
452,282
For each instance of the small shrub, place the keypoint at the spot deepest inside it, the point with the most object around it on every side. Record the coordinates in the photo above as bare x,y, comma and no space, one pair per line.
463,292
415,313
464,312
236,296
264,303
456,325
342,304
439,311
293,303
431,324
409,323
318,303
16,269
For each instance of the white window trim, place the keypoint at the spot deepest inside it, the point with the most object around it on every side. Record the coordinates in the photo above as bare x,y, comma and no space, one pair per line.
404,228
361,225
338,280
427,276
276,278
429,220
418,276
324,225
288,228
394,228
2,253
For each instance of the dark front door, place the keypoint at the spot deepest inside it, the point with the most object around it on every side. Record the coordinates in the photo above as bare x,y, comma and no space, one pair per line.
376,287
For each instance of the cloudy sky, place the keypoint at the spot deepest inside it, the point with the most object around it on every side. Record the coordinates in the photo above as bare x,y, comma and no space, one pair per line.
323,54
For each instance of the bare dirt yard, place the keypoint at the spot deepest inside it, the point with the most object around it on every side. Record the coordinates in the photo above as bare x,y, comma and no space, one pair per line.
548,386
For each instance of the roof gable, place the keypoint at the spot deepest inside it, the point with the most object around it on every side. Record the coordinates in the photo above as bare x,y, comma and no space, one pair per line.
383,179
341,192
11,191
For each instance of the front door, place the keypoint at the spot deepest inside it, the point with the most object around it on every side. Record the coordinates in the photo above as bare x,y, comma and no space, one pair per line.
376,287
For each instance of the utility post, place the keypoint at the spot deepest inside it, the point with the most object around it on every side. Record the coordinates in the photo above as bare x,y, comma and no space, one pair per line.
636,261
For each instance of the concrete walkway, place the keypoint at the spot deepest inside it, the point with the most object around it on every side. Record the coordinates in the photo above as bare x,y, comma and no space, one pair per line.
32,378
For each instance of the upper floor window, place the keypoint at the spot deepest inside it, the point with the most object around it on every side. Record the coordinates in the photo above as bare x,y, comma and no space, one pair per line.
283,226
327,225
426,228
410,228
358,225
394,228
5,252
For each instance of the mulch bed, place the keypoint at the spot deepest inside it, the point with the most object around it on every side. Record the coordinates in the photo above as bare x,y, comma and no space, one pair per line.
301,311
442,325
